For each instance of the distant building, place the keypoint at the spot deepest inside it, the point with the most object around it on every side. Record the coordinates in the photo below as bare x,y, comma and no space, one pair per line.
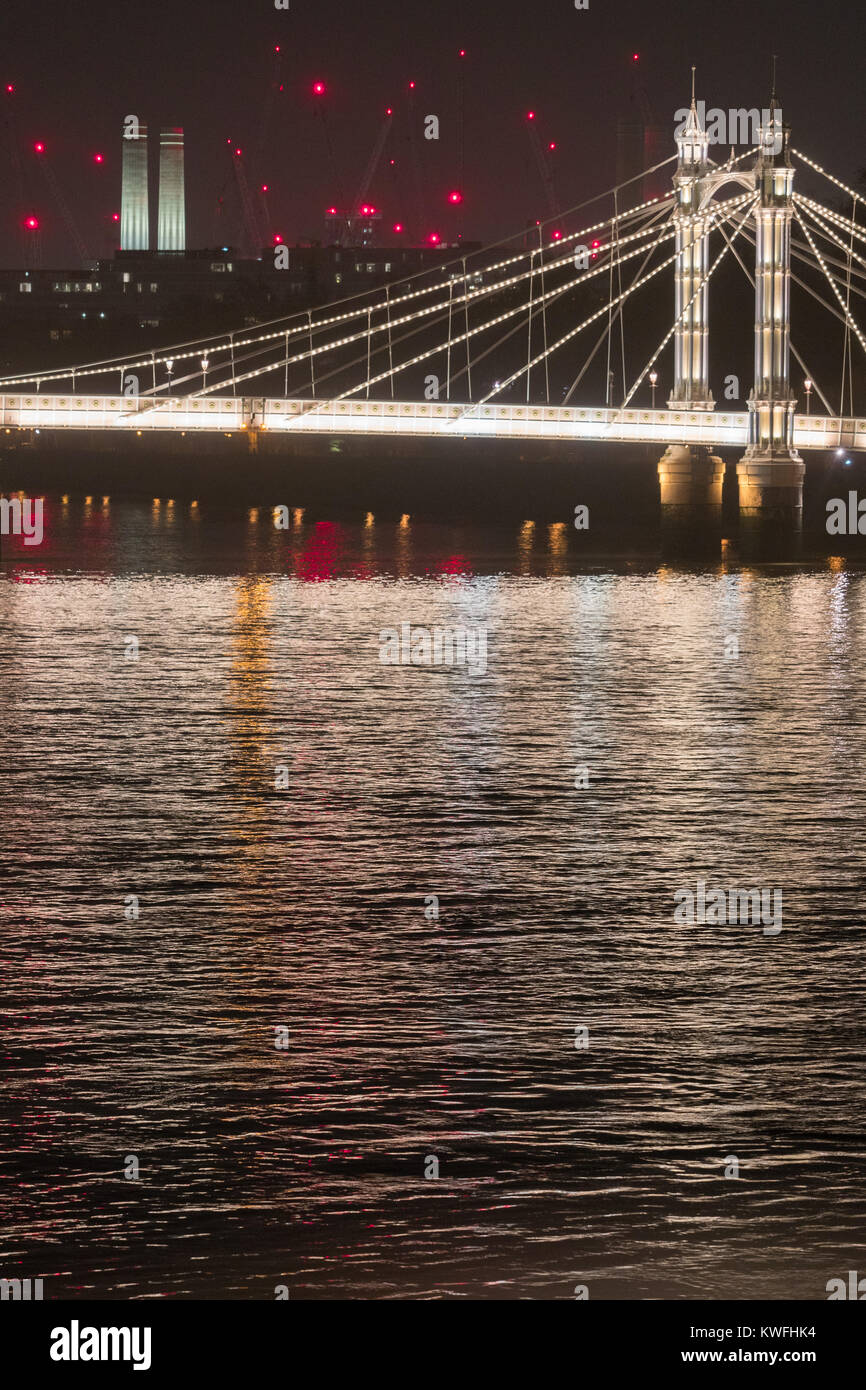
137,291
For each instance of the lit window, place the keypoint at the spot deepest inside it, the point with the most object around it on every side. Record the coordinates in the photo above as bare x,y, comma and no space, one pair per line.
25,287
153,287
338,279
126,277
217,266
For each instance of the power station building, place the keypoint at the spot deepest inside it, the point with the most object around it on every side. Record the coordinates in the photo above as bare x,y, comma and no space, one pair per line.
134,197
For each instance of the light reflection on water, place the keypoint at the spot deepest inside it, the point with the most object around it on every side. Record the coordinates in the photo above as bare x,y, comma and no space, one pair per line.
304,908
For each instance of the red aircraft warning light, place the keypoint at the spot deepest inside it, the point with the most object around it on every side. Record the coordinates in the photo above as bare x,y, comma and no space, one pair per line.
99,159
277,238
455,196
552,145
115,217
10,87
319,89
434,238
39,148
398,227
530,115
32,224
556,236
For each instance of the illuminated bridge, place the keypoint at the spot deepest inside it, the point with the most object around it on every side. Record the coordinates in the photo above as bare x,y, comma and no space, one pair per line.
499,346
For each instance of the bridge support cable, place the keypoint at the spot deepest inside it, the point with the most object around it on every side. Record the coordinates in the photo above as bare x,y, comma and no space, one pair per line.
466,322
666,229
805,255
705,279
824,214
567,337
852,192
510,333
426,315
749,236
390,343
543,329
808,209
448,359
502,318
820,259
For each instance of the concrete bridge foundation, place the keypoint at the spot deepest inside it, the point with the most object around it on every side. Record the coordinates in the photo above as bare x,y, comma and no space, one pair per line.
690,481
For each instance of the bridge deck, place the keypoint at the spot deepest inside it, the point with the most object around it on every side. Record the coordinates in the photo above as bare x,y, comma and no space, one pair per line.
434,419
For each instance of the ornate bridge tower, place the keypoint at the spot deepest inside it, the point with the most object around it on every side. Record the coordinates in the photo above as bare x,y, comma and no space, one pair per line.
690,477
691,344
770,473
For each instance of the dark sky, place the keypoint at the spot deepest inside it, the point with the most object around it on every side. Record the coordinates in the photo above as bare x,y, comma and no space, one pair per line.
209,66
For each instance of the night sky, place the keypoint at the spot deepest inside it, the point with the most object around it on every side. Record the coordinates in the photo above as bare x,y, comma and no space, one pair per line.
210,67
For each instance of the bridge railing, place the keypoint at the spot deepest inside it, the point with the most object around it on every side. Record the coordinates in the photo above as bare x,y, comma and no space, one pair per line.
435,418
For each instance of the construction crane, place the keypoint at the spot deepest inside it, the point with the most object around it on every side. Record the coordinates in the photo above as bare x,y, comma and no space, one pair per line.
355,226
68,221
545,167
360,204
255,235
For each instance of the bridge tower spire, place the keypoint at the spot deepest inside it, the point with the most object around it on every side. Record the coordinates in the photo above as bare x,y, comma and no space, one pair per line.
690,475
771,471
691,344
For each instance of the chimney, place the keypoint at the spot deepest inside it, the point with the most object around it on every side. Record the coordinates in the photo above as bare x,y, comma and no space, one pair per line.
134,218
171,226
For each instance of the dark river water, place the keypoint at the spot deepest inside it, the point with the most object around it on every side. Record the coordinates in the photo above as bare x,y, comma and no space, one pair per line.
290,813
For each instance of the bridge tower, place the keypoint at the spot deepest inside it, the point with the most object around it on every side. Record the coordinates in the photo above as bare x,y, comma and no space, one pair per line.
690,476
770,473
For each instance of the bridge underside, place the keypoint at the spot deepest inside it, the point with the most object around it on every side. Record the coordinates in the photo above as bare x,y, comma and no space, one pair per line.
426,419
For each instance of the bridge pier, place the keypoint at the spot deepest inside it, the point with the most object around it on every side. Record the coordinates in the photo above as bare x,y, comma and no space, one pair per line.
690,483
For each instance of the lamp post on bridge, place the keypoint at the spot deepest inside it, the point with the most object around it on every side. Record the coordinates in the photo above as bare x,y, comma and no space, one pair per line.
653,377
808,385
204,366
169,367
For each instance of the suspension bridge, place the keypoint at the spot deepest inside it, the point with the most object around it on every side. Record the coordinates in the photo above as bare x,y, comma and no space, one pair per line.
486,347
